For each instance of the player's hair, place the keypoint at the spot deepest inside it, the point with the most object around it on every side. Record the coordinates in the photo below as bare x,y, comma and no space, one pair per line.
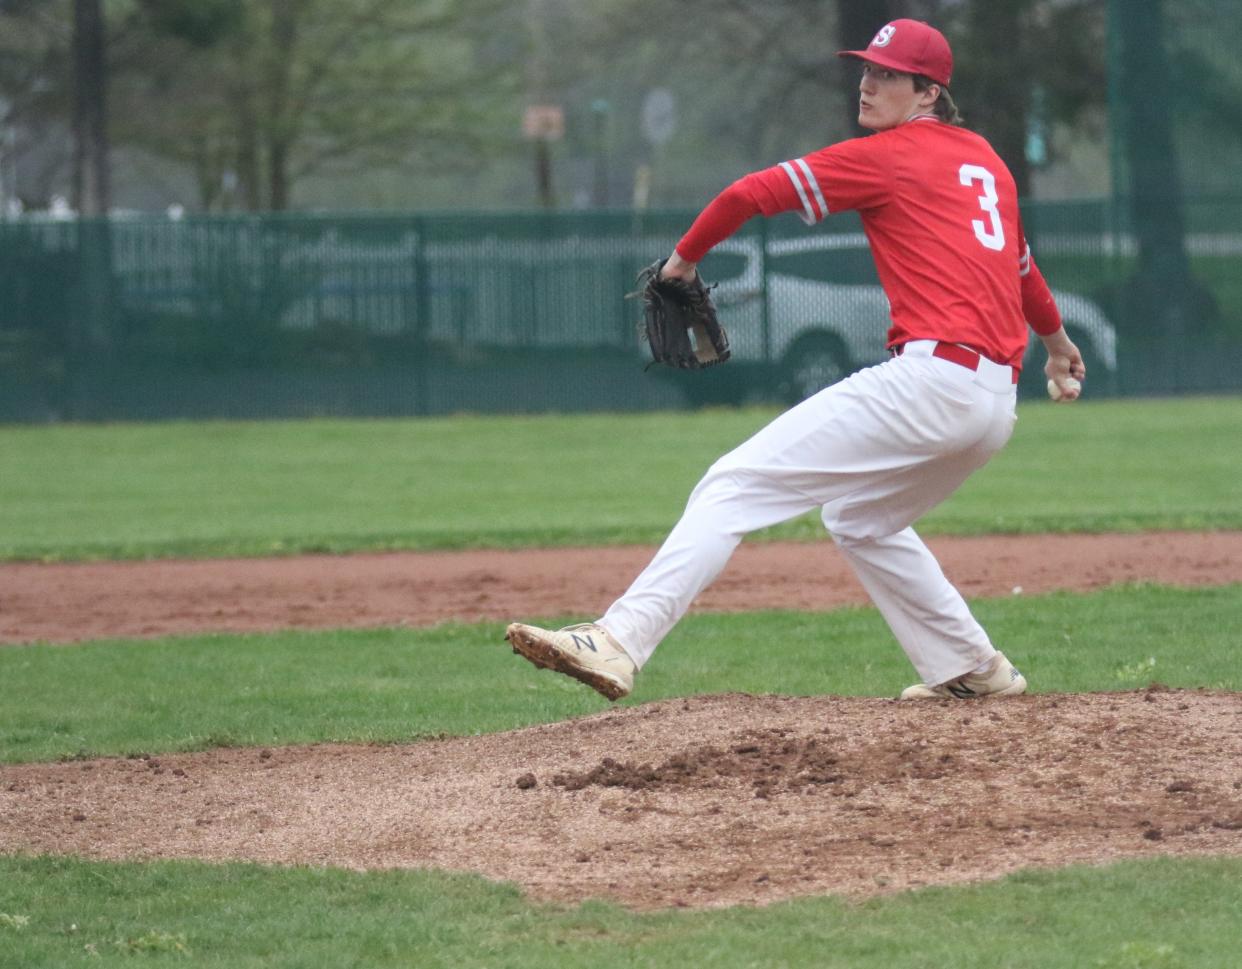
944,108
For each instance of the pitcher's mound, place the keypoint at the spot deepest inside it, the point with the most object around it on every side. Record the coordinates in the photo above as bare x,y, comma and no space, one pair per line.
705,801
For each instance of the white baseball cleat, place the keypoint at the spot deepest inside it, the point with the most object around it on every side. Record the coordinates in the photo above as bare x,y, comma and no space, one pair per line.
1001,679
586,652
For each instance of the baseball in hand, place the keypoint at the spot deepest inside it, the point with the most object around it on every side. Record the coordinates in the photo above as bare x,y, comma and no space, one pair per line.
1055,392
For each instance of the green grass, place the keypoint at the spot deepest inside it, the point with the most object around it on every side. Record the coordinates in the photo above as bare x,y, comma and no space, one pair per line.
400,685
1157,914
128,491
75,492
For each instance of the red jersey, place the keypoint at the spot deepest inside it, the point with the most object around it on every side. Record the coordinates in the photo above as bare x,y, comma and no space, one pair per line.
940,210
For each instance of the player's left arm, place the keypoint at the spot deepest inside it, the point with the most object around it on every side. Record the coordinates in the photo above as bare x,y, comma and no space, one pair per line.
722,217
848,175
764,192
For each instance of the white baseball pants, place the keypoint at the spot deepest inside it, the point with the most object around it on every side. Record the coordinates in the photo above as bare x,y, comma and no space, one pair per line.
875,452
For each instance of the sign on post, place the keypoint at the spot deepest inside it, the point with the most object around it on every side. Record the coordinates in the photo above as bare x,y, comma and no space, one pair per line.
659,121
544,122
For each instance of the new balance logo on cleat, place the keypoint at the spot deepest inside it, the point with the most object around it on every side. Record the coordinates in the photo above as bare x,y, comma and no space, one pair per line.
584,642
586,652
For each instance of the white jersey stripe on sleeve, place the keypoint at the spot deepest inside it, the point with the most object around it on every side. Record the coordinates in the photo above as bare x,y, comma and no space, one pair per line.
1024,261
810,180
807,214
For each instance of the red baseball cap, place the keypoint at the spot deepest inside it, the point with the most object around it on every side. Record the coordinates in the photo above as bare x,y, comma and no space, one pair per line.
910,46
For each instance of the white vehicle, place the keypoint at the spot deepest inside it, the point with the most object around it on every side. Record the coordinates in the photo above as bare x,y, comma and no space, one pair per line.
792,332
815,333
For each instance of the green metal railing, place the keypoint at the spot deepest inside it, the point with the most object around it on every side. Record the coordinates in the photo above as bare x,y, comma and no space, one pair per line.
431,314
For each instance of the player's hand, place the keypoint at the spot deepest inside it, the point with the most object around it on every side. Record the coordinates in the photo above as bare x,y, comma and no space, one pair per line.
1064,361
677,268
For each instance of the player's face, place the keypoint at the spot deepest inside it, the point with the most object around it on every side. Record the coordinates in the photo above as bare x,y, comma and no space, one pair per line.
886,98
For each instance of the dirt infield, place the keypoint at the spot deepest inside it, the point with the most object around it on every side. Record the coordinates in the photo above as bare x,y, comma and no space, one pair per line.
68,602
699,802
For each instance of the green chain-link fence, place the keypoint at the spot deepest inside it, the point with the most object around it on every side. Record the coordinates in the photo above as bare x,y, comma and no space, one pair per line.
298,315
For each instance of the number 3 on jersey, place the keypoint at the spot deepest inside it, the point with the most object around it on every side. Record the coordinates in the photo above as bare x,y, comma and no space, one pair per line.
993,236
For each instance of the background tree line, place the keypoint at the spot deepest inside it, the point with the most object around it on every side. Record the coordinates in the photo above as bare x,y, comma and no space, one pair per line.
277,104
248,98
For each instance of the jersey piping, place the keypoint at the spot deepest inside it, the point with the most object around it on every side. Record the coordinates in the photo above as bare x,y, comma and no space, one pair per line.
803,179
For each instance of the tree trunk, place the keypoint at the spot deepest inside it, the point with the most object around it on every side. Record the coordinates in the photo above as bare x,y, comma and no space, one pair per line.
248,175
94,336
280,124
278,175
1154,190
92,188
998,82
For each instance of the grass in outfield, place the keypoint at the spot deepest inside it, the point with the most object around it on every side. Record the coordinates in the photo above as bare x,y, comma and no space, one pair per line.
400,685
1157,914
117,491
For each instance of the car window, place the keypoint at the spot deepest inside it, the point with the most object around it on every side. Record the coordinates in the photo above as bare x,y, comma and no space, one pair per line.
845,265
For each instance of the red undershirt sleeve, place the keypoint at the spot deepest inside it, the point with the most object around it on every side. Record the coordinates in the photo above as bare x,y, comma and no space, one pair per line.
1038,306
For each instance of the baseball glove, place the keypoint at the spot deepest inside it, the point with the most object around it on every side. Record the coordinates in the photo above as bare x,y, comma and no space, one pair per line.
679,321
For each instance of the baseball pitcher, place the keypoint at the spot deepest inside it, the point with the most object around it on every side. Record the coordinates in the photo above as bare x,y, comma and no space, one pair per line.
877,450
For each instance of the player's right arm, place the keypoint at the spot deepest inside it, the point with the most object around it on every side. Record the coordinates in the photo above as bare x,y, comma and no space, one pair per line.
1064,360
1040,309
